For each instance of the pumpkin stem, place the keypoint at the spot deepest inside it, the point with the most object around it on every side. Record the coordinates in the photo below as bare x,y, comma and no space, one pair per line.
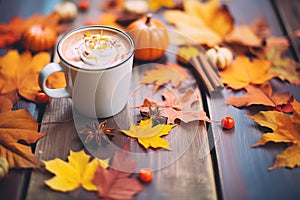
149,16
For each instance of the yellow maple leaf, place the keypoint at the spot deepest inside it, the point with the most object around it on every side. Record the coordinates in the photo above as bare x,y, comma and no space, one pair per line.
244,72
284,128
149,136
155,5
204,22
75,173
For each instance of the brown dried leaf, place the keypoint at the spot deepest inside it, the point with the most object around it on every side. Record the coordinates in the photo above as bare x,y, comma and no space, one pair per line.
115,182
177,106
262,95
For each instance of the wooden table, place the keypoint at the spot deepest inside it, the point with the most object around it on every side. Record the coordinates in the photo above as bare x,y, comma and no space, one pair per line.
216,164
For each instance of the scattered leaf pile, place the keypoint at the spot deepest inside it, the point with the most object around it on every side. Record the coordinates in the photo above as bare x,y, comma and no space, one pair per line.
79,171
111,182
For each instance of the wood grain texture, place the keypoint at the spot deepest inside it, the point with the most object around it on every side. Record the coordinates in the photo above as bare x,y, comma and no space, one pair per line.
289,15
243,170
60,139
184,173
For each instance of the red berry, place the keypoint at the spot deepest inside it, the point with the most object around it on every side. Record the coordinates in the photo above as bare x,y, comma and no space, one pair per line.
83,5
227,122
146,175
41,98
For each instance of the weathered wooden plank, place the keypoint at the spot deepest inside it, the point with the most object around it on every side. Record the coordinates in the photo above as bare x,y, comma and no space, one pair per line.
188,174
289,14
243,170
60,139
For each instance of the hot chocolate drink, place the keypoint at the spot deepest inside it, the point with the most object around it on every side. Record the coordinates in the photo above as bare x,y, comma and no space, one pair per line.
95,49
97,62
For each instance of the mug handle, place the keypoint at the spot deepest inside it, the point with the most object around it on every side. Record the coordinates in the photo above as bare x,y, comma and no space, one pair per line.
43,76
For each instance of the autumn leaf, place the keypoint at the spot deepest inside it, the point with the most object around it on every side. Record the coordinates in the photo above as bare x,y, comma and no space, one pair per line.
243,72
288,158
155,5
204,22
149,136
19,74
7,101
243,35
11,33
16,126
285,128
284,67
257,34
164,74
176,106
115,182
262,30
262,95
79,171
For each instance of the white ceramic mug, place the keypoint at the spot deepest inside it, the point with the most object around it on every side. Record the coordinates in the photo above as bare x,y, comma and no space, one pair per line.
97,93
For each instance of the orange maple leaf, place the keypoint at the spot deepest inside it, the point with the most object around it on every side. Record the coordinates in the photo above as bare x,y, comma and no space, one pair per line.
11,33
205,23
262,95
244,72
19,74
14,127
284,128
164,74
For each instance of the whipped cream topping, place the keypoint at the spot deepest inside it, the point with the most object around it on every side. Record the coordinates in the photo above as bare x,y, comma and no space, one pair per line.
100,50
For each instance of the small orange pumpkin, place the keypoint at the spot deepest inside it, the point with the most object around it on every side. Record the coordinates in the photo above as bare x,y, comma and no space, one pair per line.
39,38
150,38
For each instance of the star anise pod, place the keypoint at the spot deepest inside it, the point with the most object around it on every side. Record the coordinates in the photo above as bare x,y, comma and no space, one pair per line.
154,114
97,132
